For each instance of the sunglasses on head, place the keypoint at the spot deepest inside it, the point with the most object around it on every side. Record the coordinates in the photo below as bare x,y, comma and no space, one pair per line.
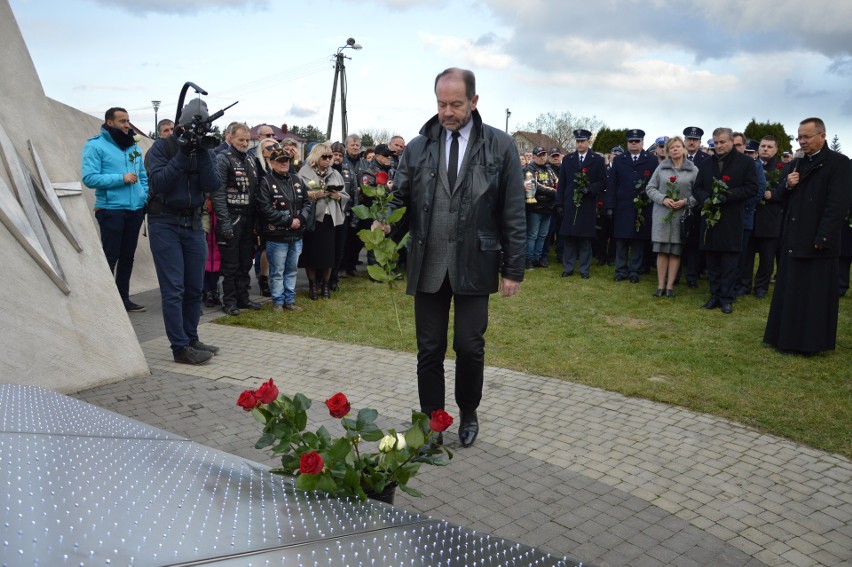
272,147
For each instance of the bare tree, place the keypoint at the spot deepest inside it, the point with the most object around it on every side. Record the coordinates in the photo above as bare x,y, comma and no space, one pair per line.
561,126
378,135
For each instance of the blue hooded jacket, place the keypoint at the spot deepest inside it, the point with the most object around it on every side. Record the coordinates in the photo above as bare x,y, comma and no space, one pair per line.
104,165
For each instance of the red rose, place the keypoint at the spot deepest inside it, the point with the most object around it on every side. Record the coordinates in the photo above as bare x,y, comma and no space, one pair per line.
647,173
585,170
779,166
267,393
673,178
381,178
440,421
248,400
338,406
311,463
600,203
725,178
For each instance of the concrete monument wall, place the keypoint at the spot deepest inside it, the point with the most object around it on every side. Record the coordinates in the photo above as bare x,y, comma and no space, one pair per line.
62,323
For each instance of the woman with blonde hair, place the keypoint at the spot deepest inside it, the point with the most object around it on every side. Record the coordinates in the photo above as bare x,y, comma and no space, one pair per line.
325,189
670,188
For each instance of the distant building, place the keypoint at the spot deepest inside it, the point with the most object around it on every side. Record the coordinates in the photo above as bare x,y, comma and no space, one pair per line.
281,134
526,141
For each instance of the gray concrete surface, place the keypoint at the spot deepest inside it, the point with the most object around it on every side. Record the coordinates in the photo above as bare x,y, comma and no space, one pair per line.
573,470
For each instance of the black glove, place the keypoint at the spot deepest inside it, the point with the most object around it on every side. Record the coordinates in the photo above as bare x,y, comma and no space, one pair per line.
186,149
721,198
609,213
584,190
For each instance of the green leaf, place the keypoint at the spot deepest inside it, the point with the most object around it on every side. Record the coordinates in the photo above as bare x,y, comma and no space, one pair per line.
396,215
301,402
371,237
307,482
369,190
362,212
404,241
265,440
408,490
377,273
366,416
261,415
414,437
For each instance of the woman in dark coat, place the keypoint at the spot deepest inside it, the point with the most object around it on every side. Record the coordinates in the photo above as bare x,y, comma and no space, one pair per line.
817,195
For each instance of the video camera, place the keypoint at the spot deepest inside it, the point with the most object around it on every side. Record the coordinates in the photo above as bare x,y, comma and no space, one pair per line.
197,132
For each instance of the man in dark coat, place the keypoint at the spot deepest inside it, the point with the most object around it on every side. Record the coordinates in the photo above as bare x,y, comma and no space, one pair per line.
693,259
817,196
462,185
767,222
578,223
723,209
628,177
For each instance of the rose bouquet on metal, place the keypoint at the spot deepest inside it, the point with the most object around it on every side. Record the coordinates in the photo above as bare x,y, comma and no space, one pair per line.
344,466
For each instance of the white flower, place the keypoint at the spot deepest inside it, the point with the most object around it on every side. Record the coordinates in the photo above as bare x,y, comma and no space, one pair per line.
386,445
136,137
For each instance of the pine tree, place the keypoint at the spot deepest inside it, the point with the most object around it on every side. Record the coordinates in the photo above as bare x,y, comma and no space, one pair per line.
835,143
757,130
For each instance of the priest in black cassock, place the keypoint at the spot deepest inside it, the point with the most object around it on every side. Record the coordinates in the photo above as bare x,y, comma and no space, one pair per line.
805,303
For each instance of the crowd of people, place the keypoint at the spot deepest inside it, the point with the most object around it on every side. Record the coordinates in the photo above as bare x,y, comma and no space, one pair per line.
709,210
274,212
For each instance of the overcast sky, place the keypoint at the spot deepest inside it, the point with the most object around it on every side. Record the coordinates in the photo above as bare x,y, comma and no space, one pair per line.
658,65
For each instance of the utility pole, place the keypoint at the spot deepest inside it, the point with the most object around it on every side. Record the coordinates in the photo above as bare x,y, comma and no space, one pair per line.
340,74
508,114
156,105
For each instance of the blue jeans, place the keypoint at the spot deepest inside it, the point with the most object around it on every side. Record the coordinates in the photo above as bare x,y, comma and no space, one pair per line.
283,260
119,236
179,254
537,227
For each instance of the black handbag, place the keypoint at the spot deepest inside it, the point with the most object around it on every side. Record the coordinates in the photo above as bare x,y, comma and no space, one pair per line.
688,223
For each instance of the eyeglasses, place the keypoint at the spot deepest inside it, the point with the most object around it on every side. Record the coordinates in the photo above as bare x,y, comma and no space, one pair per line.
271,147
326,156
270,135
805,138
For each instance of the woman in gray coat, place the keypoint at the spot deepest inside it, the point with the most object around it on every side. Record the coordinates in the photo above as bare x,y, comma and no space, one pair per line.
670,188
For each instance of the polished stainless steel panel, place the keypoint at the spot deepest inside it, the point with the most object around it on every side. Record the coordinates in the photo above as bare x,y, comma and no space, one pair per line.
84,486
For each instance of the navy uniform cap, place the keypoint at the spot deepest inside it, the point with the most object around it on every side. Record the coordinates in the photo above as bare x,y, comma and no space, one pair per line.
752,146
693,132
582,134
635,134
617,150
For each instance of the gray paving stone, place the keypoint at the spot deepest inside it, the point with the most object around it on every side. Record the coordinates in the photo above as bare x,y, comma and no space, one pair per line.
581,494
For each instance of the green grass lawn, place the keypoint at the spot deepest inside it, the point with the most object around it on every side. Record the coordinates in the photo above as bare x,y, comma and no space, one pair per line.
616,336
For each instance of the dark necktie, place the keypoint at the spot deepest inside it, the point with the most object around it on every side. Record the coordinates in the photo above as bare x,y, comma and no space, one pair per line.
635,159
690,158
453,167
581,160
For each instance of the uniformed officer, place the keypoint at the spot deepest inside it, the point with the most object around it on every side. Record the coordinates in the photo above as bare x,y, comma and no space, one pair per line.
631,224
692,135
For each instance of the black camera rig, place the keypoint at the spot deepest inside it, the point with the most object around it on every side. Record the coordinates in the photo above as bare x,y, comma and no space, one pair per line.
199,131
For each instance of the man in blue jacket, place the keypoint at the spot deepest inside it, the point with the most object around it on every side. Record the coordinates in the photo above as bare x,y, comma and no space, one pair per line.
112,166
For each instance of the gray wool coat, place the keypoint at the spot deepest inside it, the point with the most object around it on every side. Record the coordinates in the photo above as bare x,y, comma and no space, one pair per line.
662,231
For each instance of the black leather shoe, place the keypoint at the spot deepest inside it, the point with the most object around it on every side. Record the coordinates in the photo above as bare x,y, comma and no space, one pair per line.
670,293
131,307
693,285
188,355
567,274
249,305
634,279
585,276
760,293
469,429
619,278
713,303
231,310
727,308
198,345
659,293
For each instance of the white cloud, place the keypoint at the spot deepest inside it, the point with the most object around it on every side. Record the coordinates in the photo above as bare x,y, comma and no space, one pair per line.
467,53
181,6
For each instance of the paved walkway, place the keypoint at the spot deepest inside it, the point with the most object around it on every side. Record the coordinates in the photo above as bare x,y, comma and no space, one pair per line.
573,470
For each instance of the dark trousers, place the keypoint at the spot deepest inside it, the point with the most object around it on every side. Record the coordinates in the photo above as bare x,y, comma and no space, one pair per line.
632,265
211,281
722,274
746,259
845,264
352,248
237,256
765,248
693,260
579,250
179,253
119,236
341,235
431,318
553,236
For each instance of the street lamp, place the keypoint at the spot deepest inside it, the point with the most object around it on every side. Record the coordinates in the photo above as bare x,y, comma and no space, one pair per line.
508,114
156,105
340,71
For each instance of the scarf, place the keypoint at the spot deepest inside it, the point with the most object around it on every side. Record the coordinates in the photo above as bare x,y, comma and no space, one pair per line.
121,139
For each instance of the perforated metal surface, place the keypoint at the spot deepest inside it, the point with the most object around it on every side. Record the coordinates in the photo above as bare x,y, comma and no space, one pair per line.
107,490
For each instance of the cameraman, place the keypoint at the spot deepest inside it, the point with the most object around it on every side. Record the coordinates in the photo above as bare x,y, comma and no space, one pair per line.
180,173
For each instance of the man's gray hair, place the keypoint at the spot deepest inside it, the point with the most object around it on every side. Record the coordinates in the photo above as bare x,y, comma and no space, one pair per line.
726,131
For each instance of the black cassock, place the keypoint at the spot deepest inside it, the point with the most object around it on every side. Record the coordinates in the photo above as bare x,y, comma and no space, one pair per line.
805,302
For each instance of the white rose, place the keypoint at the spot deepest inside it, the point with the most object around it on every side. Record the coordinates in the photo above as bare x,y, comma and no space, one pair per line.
386,445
